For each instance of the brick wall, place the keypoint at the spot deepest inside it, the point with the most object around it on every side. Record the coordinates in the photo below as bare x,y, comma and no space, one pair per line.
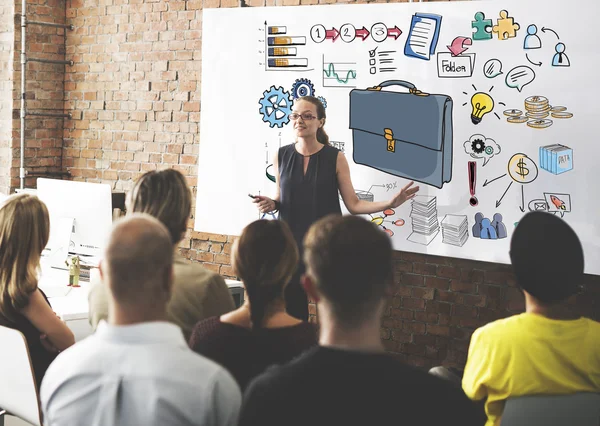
134,92
7,12
44,88
45,91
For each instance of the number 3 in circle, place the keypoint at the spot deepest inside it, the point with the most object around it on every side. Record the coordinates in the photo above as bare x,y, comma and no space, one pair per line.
379,32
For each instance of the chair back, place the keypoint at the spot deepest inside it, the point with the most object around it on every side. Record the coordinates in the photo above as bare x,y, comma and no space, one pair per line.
578,409
18,390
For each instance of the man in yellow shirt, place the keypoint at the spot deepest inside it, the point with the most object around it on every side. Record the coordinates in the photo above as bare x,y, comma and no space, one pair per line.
547,349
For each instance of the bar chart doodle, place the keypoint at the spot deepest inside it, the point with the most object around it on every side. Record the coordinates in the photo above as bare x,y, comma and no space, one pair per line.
281,50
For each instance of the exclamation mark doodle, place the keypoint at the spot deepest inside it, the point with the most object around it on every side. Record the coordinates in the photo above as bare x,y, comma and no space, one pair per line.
472,182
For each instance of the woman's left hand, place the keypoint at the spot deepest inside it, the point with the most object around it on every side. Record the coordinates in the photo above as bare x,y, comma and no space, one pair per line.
405,194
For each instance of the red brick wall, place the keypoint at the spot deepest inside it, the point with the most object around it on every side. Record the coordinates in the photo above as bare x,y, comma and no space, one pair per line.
134,91
44,87
7,28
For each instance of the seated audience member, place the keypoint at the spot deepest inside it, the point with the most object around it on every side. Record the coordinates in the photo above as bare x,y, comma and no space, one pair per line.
197,292
348,379
260,333
24,232
137,369
547,349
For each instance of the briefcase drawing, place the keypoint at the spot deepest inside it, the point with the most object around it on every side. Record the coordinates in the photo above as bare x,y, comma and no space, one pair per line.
404,134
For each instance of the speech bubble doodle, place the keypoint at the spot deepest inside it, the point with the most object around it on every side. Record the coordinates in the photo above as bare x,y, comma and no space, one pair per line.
478,146
520,77
492,68
558,203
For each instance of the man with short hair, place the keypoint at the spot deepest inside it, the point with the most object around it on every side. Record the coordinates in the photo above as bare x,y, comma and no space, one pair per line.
548,349
138,369
197,293
348,379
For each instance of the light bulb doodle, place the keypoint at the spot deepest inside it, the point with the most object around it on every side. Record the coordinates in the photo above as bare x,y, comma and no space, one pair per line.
482,104
380,220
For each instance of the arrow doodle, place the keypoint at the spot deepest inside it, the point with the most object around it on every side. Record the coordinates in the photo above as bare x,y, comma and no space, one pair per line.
544,29
332,34
500,200
394,32
458,45
363,33
490,181
522,207
533,63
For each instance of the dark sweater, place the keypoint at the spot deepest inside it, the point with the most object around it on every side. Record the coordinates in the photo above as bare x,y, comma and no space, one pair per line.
40,357
247,353
327,387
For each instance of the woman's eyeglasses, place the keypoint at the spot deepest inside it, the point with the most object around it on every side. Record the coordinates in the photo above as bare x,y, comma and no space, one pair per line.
305,117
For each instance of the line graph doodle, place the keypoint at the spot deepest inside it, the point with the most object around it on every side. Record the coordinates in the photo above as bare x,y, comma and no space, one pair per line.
338,74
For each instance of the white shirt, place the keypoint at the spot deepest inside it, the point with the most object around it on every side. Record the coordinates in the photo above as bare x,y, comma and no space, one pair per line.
143,374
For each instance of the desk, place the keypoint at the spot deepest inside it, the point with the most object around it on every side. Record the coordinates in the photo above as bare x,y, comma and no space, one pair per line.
72,304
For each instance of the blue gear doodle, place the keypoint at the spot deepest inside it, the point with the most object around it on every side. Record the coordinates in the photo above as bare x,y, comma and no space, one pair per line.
276,106
302,87
323,101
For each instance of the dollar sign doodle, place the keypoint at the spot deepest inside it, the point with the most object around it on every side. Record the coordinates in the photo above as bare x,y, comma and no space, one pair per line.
523,171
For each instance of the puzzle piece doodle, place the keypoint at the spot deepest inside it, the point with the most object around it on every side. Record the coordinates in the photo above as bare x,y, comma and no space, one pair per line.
483,27
506,27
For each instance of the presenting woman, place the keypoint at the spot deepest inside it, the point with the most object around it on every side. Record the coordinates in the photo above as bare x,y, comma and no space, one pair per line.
309,173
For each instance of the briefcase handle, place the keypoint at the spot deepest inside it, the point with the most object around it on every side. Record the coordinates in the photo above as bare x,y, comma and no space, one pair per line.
411,87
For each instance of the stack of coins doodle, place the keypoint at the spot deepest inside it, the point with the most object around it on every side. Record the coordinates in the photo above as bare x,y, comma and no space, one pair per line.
537,109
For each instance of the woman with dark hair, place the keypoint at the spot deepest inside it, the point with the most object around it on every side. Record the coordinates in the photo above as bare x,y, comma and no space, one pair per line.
309,173
259,333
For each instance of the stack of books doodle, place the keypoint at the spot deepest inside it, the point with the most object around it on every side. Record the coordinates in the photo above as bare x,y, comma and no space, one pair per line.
455,229
425,223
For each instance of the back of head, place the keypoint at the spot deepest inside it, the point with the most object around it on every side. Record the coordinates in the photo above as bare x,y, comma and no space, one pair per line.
265,257
547,257
350,259
166,196
24,232
138,261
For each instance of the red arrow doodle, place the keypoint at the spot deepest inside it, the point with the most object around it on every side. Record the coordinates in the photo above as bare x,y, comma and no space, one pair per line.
362,33
332,34
458,45
394,32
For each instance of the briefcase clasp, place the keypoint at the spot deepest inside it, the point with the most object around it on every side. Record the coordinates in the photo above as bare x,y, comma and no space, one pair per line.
388,134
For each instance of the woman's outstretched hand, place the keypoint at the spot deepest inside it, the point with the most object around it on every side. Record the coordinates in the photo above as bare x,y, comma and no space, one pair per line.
264,204
405,194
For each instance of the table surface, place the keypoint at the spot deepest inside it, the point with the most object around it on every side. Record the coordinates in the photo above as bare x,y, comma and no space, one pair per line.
72,303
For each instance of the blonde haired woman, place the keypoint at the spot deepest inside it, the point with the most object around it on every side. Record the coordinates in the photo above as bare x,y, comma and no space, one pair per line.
24,232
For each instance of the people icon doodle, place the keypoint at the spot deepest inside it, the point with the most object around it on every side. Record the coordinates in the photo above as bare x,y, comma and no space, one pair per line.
532,40
560,58
487,229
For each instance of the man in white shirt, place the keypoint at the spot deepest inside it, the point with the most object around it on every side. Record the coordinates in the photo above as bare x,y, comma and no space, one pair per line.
137,369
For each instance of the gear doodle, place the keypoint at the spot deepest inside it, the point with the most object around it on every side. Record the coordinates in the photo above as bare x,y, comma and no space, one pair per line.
478,146
323,101
276,106
489,150
302,87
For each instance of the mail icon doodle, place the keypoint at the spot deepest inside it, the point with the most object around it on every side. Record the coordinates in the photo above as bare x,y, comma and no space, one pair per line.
540,205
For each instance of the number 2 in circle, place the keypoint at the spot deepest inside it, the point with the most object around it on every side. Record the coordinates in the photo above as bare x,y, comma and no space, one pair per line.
348,33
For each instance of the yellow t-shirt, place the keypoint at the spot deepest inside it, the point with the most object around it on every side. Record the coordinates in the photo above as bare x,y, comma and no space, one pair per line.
530,354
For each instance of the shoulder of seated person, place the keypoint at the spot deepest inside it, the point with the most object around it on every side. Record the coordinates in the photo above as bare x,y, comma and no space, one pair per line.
498,327
193,269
